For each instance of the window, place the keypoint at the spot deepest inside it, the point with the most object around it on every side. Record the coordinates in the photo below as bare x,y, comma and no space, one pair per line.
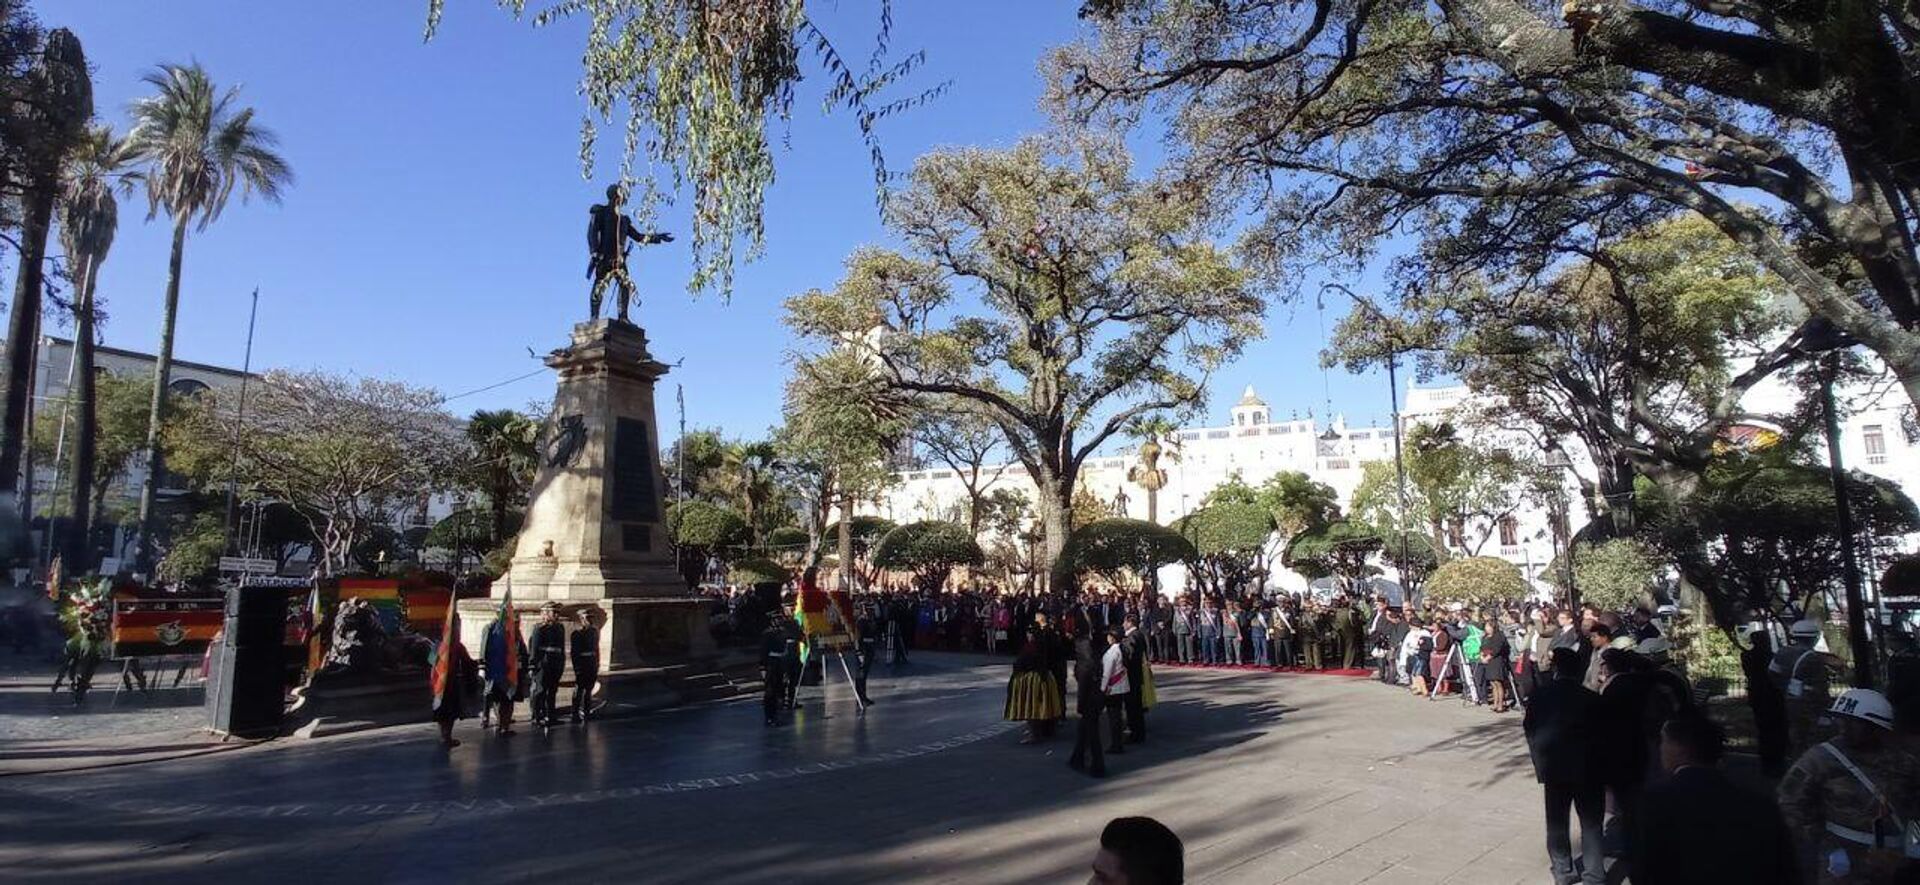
1280,428
1337,464
1191,434
940,474
1876,439
1456,533
1219,434
1362,434
1509,532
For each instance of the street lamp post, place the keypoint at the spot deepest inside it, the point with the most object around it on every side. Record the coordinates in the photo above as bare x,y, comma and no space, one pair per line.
1393,394
1563,526
1820,338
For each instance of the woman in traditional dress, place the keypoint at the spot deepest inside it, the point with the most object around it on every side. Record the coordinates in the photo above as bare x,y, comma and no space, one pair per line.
1033,695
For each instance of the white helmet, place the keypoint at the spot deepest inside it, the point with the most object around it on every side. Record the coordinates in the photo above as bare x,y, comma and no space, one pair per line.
1864,704
1805,628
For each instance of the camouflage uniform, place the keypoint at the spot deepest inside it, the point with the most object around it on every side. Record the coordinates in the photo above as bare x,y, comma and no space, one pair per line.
1819,796
1810,667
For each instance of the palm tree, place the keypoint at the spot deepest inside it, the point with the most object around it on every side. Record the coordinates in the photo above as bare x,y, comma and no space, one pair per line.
506,441
56,102
89,217
1155,432
747,478
198,144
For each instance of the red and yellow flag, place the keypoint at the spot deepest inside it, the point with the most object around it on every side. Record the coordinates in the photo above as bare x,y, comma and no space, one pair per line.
444,658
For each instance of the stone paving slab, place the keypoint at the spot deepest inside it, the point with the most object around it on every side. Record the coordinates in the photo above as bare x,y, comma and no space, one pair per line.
1267,779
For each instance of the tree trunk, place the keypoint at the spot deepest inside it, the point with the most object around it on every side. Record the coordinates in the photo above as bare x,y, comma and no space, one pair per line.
77,551
162,368
22,329
1055,510
1153,505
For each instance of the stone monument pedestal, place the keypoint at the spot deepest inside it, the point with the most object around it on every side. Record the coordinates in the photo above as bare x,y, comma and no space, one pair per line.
594,535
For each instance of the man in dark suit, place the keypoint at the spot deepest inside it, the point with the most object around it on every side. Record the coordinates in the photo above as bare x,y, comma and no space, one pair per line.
1561,725
1698,826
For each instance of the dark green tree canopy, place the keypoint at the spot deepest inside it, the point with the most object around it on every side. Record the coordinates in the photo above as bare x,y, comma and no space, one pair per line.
1110,546
867,531
1339,548
930,550
1477,580
1231,528
758,570
710,527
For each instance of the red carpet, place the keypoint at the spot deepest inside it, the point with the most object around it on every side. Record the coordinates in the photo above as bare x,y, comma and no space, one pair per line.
1252,668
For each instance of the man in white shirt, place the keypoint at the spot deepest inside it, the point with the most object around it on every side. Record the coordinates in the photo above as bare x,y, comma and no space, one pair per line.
1114,684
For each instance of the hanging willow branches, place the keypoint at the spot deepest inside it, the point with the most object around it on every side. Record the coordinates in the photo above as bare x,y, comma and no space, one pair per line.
693,84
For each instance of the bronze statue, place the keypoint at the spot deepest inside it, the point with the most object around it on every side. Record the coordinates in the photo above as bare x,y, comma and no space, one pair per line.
607,234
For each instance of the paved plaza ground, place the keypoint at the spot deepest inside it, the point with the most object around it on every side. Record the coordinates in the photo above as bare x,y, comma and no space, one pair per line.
1268,778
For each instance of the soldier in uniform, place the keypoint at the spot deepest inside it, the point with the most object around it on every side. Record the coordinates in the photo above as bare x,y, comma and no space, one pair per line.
584,648
868,648
548,660
773,668
1352,634
1312,621
790,654
1849,800
1801,674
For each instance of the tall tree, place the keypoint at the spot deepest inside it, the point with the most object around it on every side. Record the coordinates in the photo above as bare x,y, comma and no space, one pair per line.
198,144
1794,130
89,217
1157,440
842,422
965,442
506,448
344,453
1643,349
1091,298
748,479
1451,484
54,103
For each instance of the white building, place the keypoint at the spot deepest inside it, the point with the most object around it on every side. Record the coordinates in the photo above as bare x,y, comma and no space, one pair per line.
1875,438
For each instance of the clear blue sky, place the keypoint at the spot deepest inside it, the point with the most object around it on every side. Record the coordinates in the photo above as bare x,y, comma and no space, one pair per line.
436,229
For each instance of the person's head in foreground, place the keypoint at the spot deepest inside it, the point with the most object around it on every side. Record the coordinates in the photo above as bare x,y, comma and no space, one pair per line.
1138,851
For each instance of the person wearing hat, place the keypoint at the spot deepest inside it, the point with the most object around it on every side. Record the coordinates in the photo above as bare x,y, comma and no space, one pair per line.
1850,800
1800,674
774,645
548,660
584,651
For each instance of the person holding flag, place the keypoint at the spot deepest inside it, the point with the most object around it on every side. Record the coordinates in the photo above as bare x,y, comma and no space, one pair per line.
454,673
506,656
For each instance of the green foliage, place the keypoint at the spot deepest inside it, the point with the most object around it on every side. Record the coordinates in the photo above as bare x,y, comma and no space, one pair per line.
787,539
1413,556
699,532
194,550
1759,520
1038,287
200,146
1476,580
758,570
693,86
506,456
1448,481
929,549
1337,549
1231,528
1005,512
121,403
1112,546
341,451
1616,575
1230,542
1087,508
866,531
709,527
